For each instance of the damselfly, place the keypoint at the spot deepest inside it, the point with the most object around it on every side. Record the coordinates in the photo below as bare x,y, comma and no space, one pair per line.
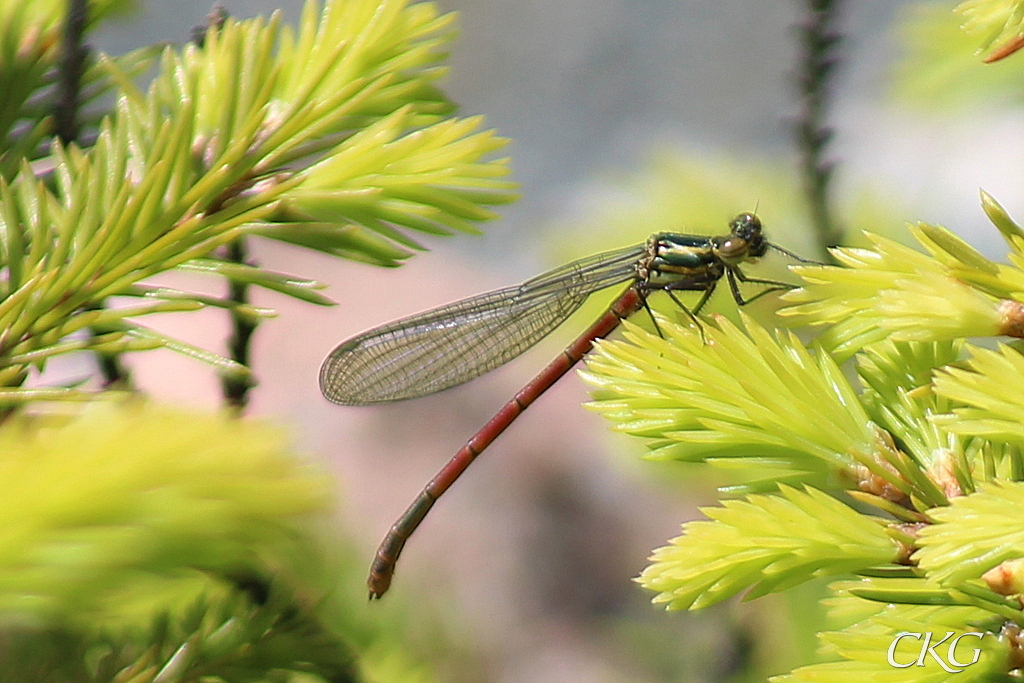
452,344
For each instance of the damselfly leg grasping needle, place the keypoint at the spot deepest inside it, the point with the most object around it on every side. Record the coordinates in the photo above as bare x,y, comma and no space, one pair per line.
452,344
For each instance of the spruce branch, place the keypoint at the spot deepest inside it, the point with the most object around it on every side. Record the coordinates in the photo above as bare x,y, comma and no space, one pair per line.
166,490
742,398
987,405
346,154
892,291
891,369
900,396
742,395
973,535
765,544
220,634
864,646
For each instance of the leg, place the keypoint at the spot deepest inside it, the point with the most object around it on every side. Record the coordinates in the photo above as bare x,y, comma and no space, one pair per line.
643,302
735,273
703,298
696,309
700,328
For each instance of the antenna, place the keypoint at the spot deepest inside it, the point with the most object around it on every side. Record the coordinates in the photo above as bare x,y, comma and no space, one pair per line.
793,256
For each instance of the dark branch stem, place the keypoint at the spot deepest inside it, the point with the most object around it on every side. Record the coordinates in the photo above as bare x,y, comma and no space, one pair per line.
817,68
236,391
72,67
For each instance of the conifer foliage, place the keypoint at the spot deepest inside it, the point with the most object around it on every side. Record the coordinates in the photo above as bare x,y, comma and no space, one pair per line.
143,543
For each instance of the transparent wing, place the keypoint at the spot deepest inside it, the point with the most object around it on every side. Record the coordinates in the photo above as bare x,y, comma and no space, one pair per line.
446,346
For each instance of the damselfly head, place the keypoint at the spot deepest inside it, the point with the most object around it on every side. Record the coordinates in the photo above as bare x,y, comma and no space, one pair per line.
745,240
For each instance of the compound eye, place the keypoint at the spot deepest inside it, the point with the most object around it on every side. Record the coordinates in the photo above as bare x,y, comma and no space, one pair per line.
745,225
733,248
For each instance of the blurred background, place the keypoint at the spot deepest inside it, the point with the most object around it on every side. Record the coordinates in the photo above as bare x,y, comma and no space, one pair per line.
624,118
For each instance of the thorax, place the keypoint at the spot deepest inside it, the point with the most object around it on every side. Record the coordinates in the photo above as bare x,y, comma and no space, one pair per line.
676,257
